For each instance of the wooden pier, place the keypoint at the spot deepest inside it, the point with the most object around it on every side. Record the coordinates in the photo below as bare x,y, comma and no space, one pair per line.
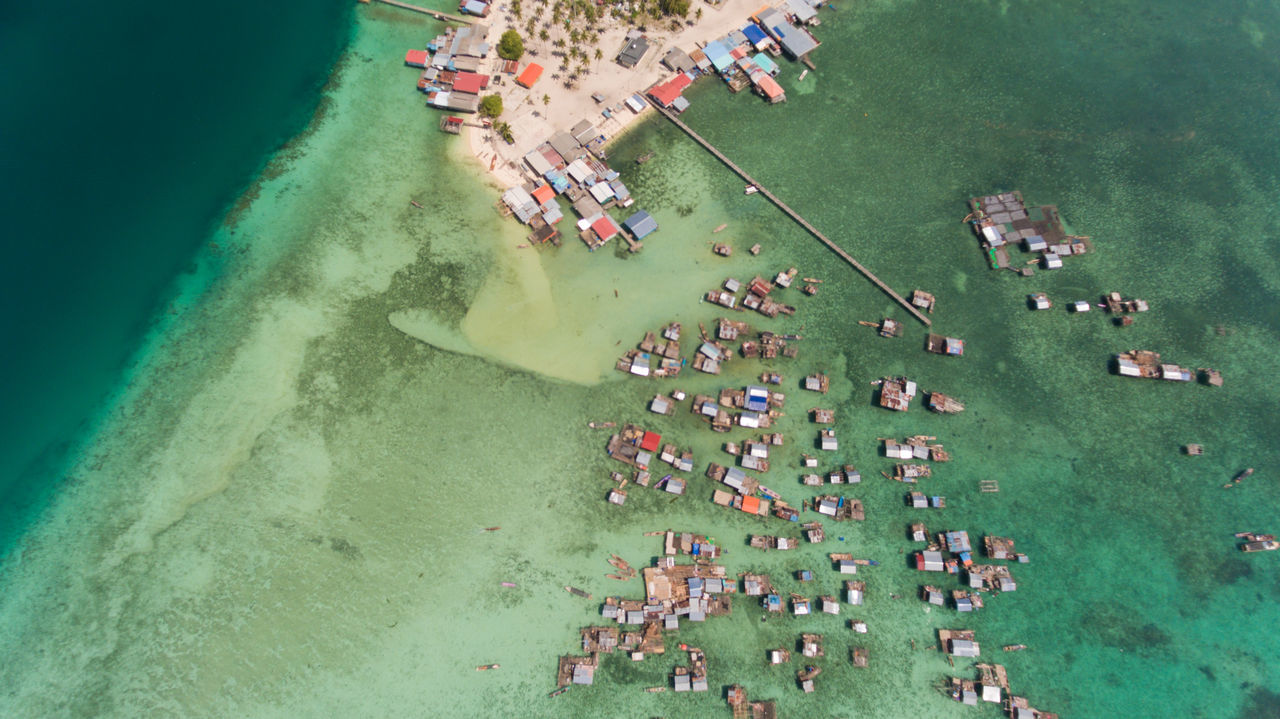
427,11
794,215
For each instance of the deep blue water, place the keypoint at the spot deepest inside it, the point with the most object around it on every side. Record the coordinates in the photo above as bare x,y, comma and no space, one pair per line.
126,131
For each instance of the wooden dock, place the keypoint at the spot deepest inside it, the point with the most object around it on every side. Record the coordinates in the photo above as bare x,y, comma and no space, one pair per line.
794,215
427,11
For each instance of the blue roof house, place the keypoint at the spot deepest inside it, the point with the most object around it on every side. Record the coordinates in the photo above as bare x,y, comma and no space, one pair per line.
640,224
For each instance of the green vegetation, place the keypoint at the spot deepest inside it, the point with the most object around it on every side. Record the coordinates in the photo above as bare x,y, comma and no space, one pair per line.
504,131
511,46
674,7
491,106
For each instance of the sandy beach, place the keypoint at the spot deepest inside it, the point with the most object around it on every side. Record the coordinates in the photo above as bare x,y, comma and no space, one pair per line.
537,113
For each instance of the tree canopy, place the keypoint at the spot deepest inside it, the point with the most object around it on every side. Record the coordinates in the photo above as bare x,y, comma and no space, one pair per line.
511,45
491,105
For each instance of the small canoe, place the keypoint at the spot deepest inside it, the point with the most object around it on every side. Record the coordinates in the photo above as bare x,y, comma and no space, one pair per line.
492,529
721,227
558,692
508,584
1014,647
577,592
486,667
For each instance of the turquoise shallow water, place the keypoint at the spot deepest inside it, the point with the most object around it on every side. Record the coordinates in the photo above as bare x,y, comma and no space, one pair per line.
283,514
126,142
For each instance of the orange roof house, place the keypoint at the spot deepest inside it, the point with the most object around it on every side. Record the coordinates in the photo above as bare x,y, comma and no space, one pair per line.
542,193
751,505
530,75
770,87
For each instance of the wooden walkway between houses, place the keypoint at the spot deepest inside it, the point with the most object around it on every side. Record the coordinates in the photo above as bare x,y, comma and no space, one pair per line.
427,11
795,216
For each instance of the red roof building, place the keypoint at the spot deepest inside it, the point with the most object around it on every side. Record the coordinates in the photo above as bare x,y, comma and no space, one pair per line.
417,58
530,75
650,441
667,92
605,228
470,82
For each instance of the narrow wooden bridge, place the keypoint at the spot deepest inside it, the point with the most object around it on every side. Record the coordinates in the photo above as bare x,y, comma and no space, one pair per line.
427,11
795,216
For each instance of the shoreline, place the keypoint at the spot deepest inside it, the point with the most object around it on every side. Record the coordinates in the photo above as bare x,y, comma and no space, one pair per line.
536,113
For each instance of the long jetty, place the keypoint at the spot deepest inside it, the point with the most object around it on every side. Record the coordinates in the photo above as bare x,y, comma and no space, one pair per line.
427,11
795,216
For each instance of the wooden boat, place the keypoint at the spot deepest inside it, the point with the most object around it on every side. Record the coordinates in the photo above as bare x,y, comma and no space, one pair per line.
1257,542
602,425
1239,478
558,692
492,529
655,690
577,592
721,227
1194,450
722,249
619,562
750,190
1014,647
508,584
416,204
755,249
644,158
617,577
486,667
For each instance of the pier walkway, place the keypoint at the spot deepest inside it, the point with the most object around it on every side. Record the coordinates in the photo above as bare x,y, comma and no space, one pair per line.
795,216
427,11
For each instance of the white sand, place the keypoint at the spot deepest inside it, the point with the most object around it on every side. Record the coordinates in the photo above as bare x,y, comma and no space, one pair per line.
533,121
